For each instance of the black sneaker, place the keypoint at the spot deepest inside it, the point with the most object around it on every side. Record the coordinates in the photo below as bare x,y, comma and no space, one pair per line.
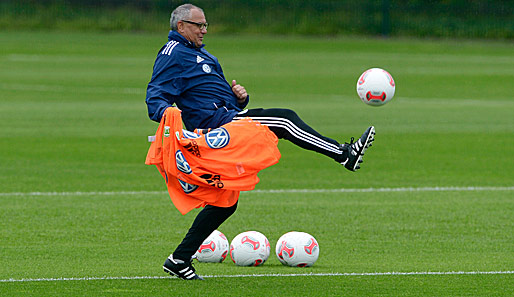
180,269
353,151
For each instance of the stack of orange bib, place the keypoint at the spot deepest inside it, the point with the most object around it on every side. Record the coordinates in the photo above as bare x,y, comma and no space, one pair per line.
211,168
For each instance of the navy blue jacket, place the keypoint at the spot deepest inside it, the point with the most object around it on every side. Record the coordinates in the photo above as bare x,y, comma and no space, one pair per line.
192,79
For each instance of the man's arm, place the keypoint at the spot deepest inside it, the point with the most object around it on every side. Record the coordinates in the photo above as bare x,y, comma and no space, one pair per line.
156,107
165,86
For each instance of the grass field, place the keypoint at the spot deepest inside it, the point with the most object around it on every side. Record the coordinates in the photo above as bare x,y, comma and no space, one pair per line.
82,215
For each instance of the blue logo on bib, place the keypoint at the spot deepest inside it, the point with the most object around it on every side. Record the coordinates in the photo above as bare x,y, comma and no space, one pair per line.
217,138
182,164
188,188
189,134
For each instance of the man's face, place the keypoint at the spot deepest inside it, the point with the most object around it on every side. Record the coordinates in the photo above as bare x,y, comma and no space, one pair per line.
192,32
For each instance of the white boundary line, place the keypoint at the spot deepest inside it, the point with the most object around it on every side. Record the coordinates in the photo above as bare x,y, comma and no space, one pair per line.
405,189
347,274
25,194
343,190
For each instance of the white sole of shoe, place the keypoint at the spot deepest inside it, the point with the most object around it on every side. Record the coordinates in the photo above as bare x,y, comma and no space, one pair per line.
367,144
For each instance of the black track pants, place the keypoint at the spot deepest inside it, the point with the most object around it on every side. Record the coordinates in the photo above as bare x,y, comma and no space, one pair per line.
207,220
286,124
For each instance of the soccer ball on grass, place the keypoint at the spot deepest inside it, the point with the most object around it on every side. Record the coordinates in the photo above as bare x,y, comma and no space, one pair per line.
297,249
214,248
250,248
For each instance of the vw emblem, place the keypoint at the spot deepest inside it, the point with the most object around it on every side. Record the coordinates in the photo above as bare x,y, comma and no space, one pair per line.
189,134
217,138
182,164
188,188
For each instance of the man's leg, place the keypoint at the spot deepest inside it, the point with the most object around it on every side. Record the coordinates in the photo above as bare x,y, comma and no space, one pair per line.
207,220
286,124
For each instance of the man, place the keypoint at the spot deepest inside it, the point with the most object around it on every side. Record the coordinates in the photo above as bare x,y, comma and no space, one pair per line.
186,75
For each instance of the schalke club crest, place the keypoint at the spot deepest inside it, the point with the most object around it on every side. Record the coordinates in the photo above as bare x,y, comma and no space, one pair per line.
217,138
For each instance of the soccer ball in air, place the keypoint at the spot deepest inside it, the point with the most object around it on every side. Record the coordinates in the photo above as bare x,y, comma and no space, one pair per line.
375,87
250,248
297,249
214,248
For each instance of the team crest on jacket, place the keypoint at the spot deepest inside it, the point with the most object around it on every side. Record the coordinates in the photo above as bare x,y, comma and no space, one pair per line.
188,188
182,164
206,68
217,138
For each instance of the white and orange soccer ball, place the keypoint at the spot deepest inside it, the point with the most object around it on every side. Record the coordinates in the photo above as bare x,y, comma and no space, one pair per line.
297,249
214,248
250,248
376,87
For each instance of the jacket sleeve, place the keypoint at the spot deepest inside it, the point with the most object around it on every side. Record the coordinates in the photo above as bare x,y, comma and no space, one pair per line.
245,103
165,86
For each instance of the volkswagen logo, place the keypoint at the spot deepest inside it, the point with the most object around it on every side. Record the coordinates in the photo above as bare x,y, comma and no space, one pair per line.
217,138
189,134
182,164
188,188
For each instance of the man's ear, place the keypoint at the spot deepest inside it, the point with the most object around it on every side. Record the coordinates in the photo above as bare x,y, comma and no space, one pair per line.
180,26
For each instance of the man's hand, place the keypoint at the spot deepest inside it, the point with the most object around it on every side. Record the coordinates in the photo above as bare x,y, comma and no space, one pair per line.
239,91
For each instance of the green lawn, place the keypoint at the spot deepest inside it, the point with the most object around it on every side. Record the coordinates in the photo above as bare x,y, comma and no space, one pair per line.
77,201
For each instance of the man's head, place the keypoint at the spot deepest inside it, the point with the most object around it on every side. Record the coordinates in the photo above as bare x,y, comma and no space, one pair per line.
189,21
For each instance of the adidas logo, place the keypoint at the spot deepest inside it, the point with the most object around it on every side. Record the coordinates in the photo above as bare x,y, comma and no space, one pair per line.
199,59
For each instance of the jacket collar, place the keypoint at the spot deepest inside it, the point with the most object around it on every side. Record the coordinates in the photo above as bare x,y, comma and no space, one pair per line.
174,35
